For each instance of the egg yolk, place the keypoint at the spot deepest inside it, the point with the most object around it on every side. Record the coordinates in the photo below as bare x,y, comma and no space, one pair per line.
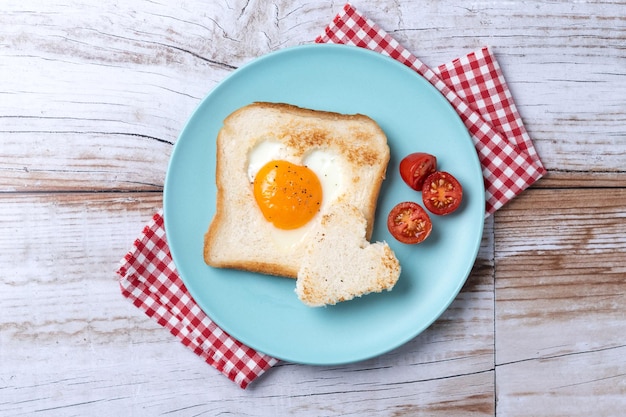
288,195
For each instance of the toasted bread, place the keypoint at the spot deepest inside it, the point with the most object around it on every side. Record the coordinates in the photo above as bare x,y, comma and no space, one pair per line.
239,237
340,264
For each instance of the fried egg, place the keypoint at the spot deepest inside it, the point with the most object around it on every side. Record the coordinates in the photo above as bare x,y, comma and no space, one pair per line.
291,190
288,195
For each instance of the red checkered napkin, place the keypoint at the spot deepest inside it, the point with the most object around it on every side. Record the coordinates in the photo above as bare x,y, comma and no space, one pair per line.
475,87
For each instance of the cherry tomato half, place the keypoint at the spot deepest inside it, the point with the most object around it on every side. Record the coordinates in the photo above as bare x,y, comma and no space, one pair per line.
414,169
441,193
409,223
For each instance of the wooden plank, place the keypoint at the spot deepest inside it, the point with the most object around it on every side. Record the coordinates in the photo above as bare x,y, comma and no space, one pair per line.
86,94
94,100
546,262
582,179
560,302
560,262
86,356
577,385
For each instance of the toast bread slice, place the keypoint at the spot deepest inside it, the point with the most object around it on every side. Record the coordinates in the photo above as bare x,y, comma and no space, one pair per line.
238,236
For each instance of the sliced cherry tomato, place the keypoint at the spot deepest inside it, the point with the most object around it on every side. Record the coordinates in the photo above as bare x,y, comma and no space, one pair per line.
441,193
409,223
414,169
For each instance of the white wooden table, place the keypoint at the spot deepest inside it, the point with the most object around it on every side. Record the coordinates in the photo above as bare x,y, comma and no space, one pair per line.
92,97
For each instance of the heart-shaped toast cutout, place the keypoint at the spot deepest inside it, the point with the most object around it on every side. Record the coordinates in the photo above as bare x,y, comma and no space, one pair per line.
341,264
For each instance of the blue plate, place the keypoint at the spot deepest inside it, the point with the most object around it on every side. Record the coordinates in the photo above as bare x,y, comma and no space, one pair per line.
263,311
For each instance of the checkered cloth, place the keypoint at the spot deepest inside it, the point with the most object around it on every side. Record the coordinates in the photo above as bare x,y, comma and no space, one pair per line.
475,87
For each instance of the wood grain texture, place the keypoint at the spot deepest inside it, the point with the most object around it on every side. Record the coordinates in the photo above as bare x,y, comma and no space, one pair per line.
561,303
80,77
591,383
93,96
560,263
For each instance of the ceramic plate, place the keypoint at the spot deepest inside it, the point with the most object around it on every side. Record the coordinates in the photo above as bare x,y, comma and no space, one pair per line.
264,311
